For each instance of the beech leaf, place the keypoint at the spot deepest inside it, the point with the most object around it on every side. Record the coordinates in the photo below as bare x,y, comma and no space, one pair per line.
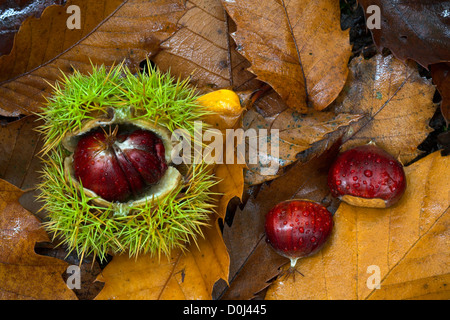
296,46
253,263
13,14
182,275
396,101
114,31
20,164
297,133
186,275
440,73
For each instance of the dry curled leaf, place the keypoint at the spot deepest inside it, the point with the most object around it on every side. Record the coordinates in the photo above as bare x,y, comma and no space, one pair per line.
408,243
397,103
23,273
297,47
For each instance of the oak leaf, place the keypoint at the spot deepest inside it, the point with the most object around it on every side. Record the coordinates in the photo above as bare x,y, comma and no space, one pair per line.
23,273
297,47
407,243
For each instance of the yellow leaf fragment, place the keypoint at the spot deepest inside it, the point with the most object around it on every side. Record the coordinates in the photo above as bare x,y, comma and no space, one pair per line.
225,105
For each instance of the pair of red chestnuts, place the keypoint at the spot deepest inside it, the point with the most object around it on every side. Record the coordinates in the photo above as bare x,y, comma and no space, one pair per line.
364,176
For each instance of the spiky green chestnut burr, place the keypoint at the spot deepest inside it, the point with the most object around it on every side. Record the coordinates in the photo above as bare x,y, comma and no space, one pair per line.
167,214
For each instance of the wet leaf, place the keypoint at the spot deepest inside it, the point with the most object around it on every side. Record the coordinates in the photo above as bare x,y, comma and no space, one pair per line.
253,262
23,273
296,134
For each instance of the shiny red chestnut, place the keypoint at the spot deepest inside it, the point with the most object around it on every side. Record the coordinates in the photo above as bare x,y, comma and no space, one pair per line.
298,228
119,166
367,176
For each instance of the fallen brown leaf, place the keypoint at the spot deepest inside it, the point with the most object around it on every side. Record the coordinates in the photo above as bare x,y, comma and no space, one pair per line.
440,73
89,270
397,102
412,29
23,273
15,12
19,146
297,47
113,32
186,275
231,185
200,48
409,243
203,50
20,163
